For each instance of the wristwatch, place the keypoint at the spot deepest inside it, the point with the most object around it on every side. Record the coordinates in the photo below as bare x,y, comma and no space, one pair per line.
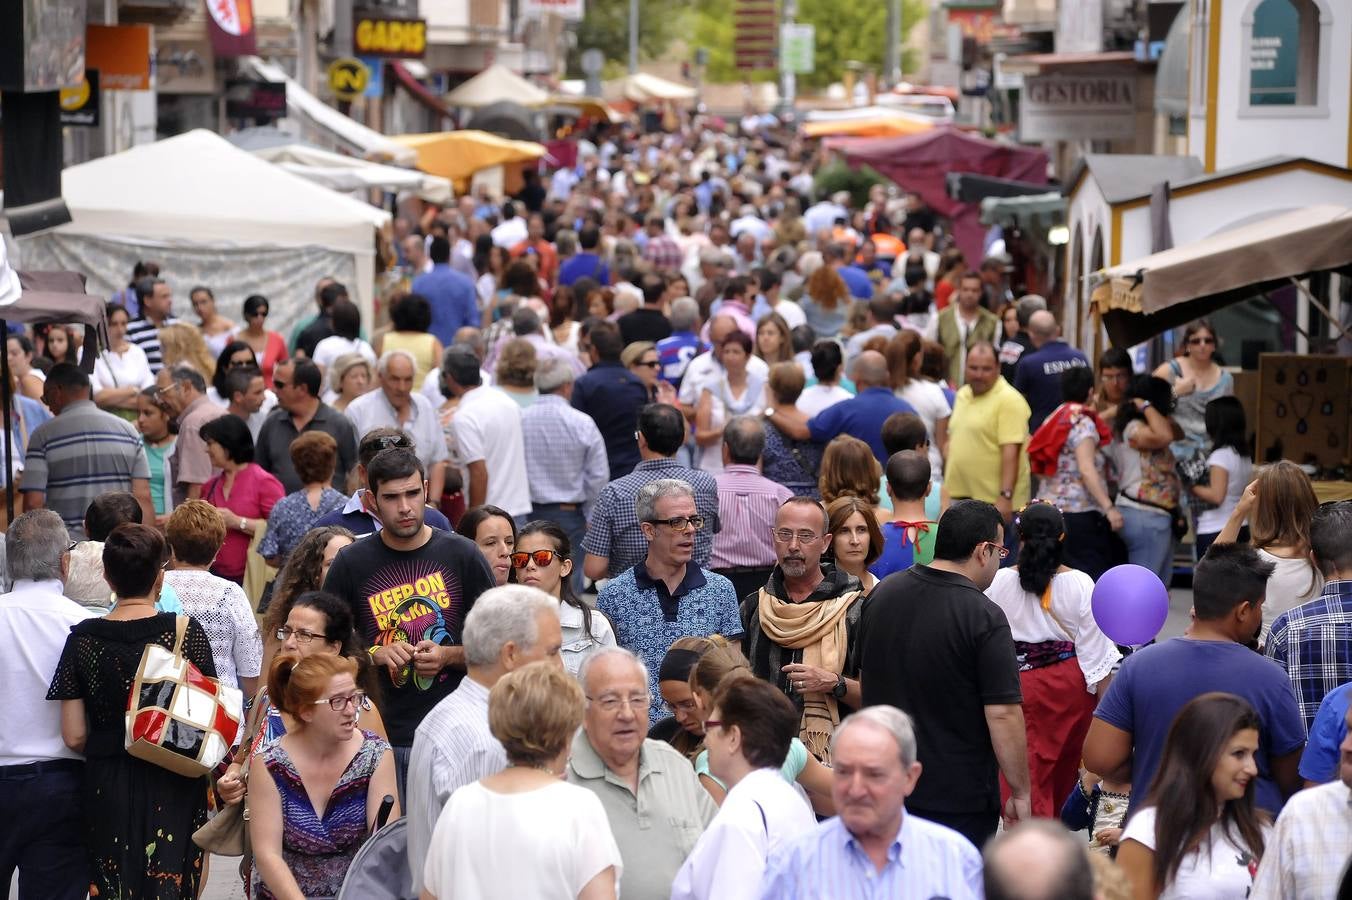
1007,493
768,412
839,690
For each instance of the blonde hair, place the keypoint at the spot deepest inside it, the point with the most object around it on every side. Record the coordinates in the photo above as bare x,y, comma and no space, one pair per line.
295,683
516,364
344,364
534,712
717,663
849,469
180,343
1286,505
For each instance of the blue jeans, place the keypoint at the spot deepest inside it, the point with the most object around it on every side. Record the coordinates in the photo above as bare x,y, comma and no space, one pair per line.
1149,537
574,524
48,848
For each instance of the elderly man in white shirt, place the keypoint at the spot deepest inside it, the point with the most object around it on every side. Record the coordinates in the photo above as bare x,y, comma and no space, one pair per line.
41,779
396,405
509,627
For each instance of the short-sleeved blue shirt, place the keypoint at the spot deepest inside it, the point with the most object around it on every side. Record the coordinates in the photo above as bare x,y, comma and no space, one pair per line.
1319,762
648,618
1156,682
861,416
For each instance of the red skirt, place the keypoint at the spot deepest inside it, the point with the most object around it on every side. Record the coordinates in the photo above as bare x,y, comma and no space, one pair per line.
1056,712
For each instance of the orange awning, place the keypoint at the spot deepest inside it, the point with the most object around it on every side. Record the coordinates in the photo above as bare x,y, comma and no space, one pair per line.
878,127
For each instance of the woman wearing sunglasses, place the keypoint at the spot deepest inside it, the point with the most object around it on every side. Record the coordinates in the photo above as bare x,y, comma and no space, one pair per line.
542,560
1197,379
316,793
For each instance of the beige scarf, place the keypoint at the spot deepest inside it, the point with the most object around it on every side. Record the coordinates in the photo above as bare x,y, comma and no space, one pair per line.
818,629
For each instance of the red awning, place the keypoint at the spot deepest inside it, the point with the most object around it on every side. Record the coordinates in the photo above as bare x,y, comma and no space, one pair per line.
419,92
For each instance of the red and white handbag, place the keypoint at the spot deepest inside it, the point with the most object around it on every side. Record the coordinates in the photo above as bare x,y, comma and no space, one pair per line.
178,718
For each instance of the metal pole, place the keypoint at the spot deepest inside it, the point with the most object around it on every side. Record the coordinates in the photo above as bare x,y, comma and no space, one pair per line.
788,79
892,49
633,37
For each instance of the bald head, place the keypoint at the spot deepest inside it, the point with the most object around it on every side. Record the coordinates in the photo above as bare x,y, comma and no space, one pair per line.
870,370
1042,327
1037,860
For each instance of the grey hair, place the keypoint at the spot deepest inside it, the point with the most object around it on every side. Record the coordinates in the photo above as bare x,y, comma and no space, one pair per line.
502,615
34,545
605,652
552,373
745,437
185,373
684,314
648,495
1027,305
889,719
1038,858
345,363
383,367
565,241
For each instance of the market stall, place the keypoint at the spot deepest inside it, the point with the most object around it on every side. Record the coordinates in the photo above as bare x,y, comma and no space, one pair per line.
211,213
459,155
347,173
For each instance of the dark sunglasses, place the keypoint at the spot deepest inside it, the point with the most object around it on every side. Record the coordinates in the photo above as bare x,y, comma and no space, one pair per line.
541,558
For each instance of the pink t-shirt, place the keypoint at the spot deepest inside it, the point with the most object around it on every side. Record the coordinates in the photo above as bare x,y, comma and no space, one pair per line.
252,496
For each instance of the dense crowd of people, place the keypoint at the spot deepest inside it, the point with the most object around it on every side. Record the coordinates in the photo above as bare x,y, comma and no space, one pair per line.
843,499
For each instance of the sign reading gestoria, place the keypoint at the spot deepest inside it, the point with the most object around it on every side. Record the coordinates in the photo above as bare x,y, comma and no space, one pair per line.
376,34
1077,107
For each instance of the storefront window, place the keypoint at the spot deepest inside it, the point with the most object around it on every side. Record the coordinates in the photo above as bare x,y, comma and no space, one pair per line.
1283,53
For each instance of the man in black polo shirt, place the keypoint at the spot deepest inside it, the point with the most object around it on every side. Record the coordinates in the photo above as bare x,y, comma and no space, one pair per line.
410,588
299,409
934,646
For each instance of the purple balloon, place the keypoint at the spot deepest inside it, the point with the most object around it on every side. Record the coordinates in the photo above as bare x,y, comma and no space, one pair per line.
1130,604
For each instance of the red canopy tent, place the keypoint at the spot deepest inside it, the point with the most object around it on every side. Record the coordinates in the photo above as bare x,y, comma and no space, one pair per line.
921,162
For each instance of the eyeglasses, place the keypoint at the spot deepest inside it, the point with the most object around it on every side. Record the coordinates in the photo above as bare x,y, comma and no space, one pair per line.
1201,340
386,441
302,637
356,700
713,723
648,363
785,536
680,523
612,703
684,706
999,549
541,558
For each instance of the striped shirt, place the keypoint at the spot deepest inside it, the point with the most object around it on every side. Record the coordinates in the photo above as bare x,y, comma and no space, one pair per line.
79,455
1305,856
1311,642
146,335
747,505
926,860
451,748
565,453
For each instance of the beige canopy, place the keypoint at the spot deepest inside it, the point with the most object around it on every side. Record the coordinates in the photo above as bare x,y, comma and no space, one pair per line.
1147,296
496,84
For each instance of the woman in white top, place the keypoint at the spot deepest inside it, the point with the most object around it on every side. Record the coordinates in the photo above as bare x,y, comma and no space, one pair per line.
121,371
747,737
738,392
1064,657
904,356
1228,467
1279,505
828,360
1198,834
542,559
217,330
346,337
526,832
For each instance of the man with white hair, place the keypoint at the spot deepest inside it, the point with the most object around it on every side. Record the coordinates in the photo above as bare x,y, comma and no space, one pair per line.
873,847
508,628
41,779
656,806
666,595
566,462
397,405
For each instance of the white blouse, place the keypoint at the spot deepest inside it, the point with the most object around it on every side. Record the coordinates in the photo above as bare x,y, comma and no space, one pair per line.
1072,593
130,368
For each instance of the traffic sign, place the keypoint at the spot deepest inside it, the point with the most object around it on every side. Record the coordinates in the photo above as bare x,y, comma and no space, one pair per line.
593,61
797,46
348,78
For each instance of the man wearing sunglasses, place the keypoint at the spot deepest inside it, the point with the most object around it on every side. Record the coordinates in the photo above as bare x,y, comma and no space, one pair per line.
935,647
667,595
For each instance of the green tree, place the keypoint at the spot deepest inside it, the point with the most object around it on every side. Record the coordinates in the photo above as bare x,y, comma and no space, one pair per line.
606,28
844,32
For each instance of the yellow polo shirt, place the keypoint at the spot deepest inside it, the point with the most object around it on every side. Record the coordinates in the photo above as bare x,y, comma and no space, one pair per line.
978,427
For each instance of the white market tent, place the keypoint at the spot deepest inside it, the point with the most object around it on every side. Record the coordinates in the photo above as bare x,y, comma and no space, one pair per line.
212,214
347,173
497,84
641,87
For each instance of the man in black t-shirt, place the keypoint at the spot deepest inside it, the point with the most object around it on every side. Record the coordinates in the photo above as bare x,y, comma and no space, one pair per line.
934,646
410,587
